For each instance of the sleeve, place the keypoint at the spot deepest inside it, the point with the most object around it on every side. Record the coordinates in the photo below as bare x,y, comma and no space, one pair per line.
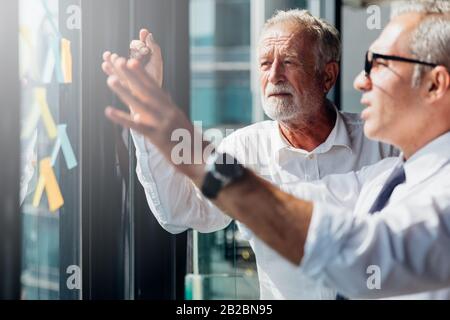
402,250
174,200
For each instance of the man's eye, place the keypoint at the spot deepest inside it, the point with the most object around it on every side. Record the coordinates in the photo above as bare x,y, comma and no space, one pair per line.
381,63
265,64
288,62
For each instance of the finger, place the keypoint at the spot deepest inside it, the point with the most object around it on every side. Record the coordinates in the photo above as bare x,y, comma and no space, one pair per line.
149,40
143,34
126,120
128,98
136,68
152,92
139,86
106,56
118,66
116,60
107,68
113,57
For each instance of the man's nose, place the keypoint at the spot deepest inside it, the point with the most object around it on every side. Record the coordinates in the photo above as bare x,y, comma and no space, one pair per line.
363,82
277,73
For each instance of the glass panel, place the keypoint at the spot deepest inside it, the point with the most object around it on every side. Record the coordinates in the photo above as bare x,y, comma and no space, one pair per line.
50,147
220,62
221,97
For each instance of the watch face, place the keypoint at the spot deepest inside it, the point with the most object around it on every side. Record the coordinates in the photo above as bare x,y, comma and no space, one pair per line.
229,166
222,169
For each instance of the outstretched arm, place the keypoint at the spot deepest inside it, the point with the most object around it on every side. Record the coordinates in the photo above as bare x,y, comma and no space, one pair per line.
277,218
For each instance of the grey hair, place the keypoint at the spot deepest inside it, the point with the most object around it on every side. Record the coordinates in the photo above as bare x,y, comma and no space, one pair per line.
400,7
430,41
328,42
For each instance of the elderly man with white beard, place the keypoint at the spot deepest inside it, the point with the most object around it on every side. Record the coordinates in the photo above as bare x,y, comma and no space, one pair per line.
307,139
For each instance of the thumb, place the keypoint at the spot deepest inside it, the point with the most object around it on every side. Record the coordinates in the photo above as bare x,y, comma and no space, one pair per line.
149,40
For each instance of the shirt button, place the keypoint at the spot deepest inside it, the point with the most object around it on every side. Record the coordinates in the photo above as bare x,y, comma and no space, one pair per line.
310,156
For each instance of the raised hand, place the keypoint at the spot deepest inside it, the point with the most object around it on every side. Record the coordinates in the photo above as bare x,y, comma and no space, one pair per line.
154,114
146,51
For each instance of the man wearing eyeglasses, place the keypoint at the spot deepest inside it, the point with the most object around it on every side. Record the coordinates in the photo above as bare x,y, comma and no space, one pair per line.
307,140
399,220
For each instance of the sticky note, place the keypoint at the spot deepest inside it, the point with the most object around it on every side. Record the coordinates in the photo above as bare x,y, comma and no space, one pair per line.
25,33
28,67
50,17
31,122
49,67
53,63
47,181
41,99
58,67
63,143
66,60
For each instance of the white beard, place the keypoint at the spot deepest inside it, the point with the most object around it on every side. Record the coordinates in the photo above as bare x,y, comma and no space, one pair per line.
280,109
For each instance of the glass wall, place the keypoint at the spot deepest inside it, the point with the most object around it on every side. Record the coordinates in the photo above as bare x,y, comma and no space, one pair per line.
50,179
83,210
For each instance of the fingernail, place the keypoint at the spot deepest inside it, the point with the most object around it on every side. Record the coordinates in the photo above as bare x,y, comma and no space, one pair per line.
150,37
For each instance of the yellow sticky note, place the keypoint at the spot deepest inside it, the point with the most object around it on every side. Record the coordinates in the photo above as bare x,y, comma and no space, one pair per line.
66,60
28,66
39,191
25,33
47,180
31,122
41,99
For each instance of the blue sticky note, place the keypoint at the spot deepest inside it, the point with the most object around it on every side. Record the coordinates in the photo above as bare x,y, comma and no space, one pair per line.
63,143
53,63
56,51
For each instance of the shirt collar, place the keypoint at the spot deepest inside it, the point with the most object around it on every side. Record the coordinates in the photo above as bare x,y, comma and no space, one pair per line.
339,136
428,160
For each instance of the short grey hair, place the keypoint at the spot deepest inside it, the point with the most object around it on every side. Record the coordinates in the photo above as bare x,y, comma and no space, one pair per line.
430,41
328,42
400,7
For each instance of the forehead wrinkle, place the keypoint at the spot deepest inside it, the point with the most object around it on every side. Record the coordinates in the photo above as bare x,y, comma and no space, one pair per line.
285,43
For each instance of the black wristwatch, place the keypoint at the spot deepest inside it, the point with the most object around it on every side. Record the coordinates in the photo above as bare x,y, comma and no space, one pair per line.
221,170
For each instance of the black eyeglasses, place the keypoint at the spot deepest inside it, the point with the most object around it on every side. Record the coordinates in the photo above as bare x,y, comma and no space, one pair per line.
371,57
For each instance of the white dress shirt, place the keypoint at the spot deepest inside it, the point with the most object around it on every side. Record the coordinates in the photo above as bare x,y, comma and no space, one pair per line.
409,240
178,204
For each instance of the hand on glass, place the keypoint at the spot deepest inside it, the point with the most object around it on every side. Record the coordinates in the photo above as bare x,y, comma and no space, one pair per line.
154,115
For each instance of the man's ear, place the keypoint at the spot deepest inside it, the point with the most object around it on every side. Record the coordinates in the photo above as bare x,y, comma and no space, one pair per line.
437,83
331,74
